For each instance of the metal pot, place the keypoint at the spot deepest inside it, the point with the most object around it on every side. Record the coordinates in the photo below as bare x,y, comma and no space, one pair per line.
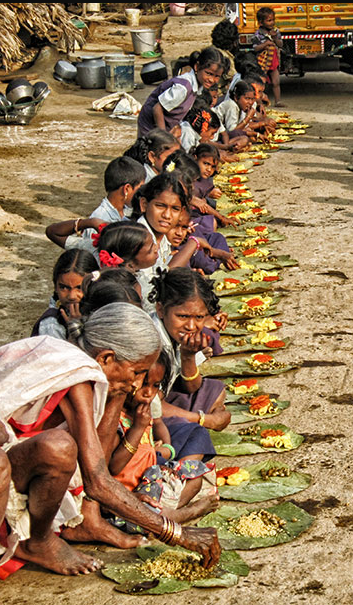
153,72
65,70
19,90
41,91
91,72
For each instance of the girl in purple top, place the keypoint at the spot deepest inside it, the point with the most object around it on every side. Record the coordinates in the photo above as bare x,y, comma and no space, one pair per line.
169,103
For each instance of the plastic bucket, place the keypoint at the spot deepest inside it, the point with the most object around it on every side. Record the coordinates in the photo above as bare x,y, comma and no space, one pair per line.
119,73
143,40
177,10
132,17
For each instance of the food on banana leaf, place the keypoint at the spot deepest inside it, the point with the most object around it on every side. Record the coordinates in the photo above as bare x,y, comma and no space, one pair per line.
162,570
293,521
260,342
240,327
257,524
231,476
256,439
261,362
232,365
241,387
239,408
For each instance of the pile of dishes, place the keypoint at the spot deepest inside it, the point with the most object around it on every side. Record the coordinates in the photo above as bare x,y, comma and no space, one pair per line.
22,101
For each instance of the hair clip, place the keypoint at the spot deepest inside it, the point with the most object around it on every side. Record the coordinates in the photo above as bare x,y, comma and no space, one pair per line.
110,260
95,275
170,167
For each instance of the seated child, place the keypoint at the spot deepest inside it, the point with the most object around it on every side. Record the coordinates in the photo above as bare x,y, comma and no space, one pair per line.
134,459
200,124
152,150
169,103
69,271
237,111
123,176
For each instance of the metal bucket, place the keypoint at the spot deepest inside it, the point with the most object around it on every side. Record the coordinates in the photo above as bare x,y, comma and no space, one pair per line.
143,40
119,73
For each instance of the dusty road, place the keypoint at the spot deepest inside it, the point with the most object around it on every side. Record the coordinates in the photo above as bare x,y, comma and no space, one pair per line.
53,169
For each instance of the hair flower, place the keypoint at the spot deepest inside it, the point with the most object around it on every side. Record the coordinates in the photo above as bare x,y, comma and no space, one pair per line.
170,167
110,260
95,236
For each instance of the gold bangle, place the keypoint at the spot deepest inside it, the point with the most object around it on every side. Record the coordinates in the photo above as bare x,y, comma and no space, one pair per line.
164,531
129,447
202,417
189,378
175,539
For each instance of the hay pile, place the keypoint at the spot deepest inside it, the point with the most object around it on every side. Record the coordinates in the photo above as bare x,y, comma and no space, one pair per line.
49,22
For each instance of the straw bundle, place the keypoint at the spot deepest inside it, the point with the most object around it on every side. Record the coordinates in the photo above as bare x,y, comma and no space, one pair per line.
45,21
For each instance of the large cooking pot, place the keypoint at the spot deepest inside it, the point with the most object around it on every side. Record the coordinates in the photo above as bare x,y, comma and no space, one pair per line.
19,91
91,72
153,72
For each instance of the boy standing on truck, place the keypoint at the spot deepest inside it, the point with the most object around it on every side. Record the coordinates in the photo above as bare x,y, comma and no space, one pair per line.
266,42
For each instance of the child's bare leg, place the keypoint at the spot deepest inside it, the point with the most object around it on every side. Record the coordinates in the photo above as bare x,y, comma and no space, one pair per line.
274,75
185,511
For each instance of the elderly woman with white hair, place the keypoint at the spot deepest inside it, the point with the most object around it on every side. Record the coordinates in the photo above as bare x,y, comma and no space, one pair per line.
61,406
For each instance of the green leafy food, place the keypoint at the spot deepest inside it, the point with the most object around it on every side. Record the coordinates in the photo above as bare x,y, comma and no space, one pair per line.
240,412
235,444
297,520
257,489
132,579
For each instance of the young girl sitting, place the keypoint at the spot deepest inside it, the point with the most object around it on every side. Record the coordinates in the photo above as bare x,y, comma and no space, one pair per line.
200,124
169,103
134,460
152,150
237,111
68,274
184,300
158,206
126,244
202,251
207,157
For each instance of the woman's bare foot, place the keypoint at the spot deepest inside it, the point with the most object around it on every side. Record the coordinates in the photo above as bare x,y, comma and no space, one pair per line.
193,510
96,529
54,554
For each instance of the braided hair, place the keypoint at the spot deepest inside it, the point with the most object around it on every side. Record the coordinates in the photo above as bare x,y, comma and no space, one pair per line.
157,140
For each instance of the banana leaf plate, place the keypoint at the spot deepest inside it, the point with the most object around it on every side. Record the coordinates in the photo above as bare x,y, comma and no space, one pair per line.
131,580
257,489
232,306
238,328
231,344
230,365
240,412
254,287
272,262
297,521
233,444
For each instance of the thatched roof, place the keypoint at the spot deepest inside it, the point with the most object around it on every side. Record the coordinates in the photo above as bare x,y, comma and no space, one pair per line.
49,22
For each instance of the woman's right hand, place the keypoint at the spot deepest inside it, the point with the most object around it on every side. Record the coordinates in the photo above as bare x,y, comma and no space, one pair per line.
203,540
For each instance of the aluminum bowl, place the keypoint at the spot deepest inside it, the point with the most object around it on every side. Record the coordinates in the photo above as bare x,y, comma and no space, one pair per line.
20,91
41,91
65,70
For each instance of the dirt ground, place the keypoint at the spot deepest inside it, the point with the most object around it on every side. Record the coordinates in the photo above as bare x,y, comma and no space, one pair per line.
53,170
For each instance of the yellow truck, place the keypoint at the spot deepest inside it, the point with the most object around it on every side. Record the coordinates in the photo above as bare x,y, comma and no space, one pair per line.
316,37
